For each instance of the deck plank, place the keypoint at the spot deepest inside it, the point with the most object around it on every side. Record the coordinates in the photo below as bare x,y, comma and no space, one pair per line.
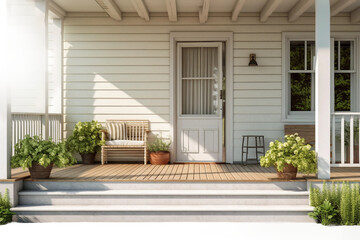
182,173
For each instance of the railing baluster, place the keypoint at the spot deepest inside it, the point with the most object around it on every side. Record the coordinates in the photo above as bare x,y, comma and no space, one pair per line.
333,139
351,140
342,140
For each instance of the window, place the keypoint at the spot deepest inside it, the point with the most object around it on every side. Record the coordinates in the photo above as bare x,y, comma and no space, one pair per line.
343,74
299,89
302,75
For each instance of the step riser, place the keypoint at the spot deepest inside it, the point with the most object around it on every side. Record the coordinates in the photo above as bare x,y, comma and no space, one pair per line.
164,217
98,186
164,200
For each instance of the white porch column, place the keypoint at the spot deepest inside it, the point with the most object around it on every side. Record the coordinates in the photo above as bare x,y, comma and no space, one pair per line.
28,36
5,105
322,87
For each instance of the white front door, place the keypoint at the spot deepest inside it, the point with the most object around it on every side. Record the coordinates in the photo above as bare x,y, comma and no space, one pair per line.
199,107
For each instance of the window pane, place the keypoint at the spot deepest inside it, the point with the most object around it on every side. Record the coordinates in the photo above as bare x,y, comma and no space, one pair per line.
297,55
336,57
342,91
345,55
300,91
310,48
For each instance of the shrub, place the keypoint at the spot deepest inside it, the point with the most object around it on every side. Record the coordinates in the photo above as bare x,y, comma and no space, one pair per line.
43,152
86,138
5,205
325,213
294,152
159,145
345,200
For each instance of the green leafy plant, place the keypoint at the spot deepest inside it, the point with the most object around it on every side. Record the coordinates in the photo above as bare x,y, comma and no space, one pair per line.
345,200
325,213
43,152
159,145
5,205
293,151
86,138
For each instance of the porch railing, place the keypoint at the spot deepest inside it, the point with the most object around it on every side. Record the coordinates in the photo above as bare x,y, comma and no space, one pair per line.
33,124
345,147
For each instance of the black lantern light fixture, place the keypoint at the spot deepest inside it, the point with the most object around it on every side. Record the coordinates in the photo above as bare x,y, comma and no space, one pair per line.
253,62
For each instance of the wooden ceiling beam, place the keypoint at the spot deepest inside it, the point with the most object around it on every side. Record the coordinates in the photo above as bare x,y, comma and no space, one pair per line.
237,9
141,9
171,9
340,6
299,9
204,11
110,8
268,9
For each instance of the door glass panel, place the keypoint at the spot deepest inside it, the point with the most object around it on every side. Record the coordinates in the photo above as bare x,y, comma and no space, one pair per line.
200,81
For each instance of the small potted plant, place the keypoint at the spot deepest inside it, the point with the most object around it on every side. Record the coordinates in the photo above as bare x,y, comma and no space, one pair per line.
40,155
86,140
159,151
290,156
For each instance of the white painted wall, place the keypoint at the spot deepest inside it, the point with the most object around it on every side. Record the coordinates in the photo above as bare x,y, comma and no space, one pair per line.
121,69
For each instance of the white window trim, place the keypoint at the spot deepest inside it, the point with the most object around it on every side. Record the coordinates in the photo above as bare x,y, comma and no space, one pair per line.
309,117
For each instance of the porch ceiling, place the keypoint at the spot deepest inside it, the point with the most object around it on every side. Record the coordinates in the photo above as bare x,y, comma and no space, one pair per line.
144,8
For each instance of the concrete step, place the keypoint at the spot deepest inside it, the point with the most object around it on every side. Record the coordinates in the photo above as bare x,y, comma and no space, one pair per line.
51,185
165,197
163,213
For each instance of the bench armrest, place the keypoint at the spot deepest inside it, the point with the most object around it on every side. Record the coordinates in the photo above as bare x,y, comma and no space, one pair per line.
103,135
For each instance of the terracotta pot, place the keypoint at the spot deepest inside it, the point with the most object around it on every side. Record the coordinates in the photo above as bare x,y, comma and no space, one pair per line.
39,172
288,173
356,154
159,158
88,158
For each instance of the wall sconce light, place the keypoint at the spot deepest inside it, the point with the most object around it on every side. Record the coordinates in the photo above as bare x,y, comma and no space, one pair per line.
253,62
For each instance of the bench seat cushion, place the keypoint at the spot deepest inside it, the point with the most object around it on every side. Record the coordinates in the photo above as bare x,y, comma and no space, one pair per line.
124,143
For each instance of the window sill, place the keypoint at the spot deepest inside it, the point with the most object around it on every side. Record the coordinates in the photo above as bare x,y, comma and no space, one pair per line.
300,118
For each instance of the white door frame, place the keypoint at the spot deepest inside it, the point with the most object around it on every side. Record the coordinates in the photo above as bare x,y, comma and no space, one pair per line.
226,37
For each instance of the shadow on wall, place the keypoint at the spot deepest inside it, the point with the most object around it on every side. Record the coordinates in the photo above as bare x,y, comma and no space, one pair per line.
102,84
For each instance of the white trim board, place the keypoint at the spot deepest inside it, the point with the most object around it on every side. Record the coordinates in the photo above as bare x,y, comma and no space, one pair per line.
226,37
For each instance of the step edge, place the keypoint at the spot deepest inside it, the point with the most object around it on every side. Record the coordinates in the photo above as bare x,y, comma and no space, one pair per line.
164,208
165,193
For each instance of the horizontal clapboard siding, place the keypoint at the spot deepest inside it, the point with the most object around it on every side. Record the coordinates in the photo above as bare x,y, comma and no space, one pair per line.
121,70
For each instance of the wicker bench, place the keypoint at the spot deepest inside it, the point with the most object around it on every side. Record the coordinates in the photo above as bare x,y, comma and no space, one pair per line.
134,137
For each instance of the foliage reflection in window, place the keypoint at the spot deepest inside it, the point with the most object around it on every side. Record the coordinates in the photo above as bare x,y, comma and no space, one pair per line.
302,75
301,91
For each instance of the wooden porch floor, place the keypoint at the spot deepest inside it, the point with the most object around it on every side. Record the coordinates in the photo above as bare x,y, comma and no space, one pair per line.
179,173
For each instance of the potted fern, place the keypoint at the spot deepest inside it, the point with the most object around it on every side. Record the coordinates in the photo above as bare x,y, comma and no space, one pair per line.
159,151
86,140
40,155
290,156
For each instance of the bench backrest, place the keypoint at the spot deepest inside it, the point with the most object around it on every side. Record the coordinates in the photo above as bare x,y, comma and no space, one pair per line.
136,129
304,131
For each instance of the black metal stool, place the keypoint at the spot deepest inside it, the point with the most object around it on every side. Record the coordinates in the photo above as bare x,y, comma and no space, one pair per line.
259,148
